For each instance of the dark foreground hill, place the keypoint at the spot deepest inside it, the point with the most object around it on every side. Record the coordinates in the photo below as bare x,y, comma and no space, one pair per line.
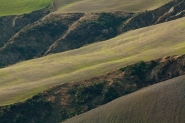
160,103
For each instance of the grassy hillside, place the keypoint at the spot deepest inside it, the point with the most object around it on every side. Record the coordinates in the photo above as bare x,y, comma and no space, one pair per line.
160,103
70,99
20,81
70,6
17,7
59,32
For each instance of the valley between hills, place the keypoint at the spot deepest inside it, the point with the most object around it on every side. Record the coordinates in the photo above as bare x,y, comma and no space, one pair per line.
123,62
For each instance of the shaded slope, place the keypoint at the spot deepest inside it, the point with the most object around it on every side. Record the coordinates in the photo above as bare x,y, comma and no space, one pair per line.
23,80
163,102
84,6
10,25
174,12
18,7
67,100
170,11
33,40
59,32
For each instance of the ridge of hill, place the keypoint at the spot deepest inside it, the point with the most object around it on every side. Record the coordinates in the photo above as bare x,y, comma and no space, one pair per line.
61,32
23,80
18,7
61,102
159,103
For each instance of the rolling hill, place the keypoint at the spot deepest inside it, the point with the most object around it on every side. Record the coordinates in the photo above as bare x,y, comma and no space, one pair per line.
64,101
83,6
17,7
44,32
23,80
159,103
123,46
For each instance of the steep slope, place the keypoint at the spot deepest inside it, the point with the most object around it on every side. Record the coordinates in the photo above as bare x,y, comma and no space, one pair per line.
20,81
160,103
10,25
67,100
84,6
33,40
170,11
61,32
17,7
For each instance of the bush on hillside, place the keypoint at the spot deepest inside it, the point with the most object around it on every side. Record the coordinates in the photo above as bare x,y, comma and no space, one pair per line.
110,95
85,94
31,111
139,70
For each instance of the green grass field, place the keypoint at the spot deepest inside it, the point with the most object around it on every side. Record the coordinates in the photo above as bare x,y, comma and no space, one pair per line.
159,103
23,80
17,7
71,6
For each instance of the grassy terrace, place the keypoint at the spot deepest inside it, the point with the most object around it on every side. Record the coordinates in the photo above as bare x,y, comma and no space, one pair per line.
17,7
70,6
21,81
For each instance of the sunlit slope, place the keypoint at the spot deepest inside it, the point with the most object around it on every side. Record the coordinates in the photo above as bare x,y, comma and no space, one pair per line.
17,7
160,103
70,6
22,80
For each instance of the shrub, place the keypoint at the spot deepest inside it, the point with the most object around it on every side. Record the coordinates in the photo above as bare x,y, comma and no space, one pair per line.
108,20
87,93
139,70
111,94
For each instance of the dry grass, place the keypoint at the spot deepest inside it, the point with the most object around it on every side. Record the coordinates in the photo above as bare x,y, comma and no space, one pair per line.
160,103
71,6
22,80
